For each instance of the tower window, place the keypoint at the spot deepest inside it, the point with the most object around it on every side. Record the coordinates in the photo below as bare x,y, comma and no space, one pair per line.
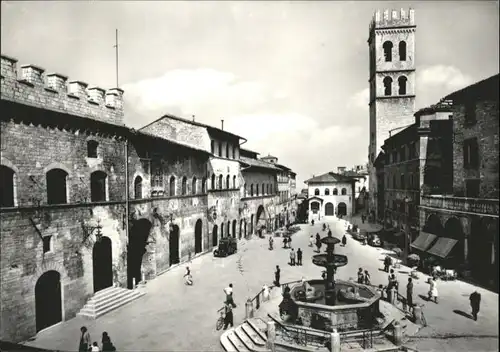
98,186
387,51
402,51
47,244
7,186
92,149
184,186
56,186
402,85
387,86
171,186
138,187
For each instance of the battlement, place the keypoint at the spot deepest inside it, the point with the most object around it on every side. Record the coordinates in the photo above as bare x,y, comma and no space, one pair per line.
53,92
392,18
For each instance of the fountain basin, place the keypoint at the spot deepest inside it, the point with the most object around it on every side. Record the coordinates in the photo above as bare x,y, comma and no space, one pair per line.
339,260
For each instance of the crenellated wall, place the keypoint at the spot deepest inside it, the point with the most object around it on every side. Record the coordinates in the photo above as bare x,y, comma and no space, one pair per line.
392,18
32,86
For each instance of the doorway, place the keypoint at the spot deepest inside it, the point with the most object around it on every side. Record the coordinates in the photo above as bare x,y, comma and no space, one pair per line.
234,228
198,236
214,236
138,238
48,302
103,264
173,244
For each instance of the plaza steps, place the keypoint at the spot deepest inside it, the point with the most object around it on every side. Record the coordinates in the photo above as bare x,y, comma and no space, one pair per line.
108,300
247,337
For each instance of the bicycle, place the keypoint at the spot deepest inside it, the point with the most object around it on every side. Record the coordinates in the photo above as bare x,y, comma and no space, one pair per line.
220,321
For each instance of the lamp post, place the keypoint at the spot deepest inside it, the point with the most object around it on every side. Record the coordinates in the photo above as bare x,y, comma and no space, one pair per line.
407,230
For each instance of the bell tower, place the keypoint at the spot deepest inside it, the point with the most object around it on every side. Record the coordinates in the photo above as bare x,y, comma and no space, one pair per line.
391,44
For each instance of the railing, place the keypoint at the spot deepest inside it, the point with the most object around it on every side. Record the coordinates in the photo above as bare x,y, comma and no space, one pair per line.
259,296
299,335
472,205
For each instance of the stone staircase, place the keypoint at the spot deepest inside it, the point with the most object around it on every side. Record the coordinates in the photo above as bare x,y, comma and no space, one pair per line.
107,300
246,337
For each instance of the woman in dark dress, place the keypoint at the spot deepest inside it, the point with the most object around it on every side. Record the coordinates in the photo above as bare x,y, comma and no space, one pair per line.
107,345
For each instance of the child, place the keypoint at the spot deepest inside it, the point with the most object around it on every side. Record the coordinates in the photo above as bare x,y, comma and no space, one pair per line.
95,347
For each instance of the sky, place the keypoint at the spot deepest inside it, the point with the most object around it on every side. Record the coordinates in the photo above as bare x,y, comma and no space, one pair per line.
290,77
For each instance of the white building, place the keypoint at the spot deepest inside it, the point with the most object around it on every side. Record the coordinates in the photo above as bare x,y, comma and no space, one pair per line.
329,195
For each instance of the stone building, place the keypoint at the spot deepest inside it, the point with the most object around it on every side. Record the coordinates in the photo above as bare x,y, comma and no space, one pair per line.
88,203
330,194
392,82
424,145
361,185
463,220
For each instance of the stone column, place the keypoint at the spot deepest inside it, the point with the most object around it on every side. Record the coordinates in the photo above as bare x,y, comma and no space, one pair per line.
335,341
417,315
271,336
398,334
248,309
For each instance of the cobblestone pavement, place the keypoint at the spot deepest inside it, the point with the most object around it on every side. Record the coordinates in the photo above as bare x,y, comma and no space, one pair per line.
175,317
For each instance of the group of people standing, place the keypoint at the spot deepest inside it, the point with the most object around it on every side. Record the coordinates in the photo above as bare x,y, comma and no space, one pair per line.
86,345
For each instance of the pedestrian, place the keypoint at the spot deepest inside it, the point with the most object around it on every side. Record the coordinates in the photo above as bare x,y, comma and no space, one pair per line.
107,345
271,241
344,240
292,257
475,303
367,278
387,263
84,340
409,294
299,257
277,274
363,218
433,292
228,310
361,278
393,282
229,295
95,347
329,233
311,241
188,279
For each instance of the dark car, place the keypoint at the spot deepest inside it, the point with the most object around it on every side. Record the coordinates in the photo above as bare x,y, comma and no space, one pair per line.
359,236
227,246
374,240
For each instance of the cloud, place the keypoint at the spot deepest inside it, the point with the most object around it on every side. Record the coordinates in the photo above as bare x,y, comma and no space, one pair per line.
359,99
449,77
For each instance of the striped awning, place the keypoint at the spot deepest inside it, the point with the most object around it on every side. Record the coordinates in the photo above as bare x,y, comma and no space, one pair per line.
423,241
442,247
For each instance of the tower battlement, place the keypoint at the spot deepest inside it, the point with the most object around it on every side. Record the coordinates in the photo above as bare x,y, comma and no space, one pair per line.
31,86
392,18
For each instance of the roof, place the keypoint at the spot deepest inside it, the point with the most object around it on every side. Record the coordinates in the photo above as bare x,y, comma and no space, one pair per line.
329,177
405,136
282,167
194,123
269,156
487,88
444,105
182,144
257,163
248,151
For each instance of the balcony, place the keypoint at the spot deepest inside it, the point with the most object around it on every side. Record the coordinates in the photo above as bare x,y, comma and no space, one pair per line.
461,204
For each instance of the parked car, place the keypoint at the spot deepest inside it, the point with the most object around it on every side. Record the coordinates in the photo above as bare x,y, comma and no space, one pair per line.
227,246
374,241
359,236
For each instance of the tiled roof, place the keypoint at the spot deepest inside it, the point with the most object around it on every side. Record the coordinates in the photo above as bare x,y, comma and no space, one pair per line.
443,105
329,177
486,88
185,145
257,163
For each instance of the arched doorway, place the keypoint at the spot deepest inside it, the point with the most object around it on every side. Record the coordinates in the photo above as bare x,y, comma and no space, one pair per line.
215,240
102,259
228,229
198,232
342,209
329,209
138,238
433,225
48,301
241,229
453,229
260,219
251,224
173,245
234,228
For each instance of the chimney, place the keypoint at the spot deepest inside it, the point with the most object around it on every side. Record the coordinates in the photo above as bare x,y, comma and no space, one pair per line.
222,124
56,81
32,74
77,89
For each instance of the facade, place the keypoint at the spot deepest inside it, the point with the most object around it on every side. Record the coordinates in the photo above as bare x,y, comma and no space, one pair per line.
330,195
361,185
392,82
464,218
87,203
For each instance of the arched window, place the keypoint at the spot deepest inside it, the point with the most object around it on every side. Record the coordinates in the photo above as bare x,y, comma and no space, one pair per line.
267,188
212,183
184,186
204,185
402,85
335,192
387,86
228,180
251,189
212,146
7,187
402,51
327,192
227,151
344,191
387,51
56,186
220,149
256,190
138,187
316,192
92,149
263,189
220,182
194,185
234,181
171,186
98,186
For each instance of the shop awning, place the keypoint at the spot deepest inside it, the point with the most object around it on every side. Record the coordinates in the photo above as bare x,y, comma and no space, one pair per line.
423,241
442,247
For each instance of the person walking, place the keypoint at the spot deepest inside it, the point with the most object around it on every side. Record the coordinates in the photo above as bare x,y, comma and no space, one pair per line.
361,277
475,303
367,278
292,257
409,294
318,242
188,279
299,257
228,319
433,292
277,274
229,295
387,263
85,343
311,241
344,240
271,241
107,345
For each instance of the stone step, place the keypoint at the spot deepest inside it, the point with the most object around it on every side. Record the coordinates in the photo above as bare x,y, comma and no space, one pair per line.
243,337
253,335
226,344
237,343
104,301
93,310
259,326
105,291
